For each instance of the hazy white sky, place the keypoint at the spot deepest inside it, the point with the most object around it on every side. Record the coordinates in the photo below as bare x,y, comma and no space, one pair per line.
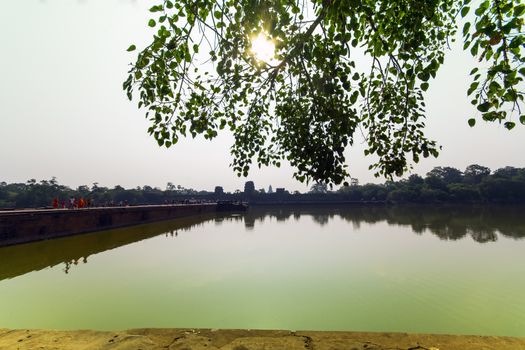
63,112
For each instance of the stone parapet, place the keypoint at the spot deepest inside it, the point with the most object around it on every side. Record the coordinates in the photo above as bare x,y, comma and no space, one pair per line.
206,339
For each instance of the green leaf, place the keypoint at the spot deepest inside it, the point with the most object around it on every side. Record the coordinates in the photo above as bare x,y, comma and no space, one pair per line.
131,48
522,119
424,76
474,49
466,28
471,122
464,11
509,125
156,8
424,86
152,23
354,97
482,8
472,88
484,107
519,10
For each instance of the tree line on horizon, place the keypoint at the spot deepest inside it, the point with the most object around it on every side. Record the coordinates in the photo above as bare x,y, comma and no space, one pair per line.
447,184
476,184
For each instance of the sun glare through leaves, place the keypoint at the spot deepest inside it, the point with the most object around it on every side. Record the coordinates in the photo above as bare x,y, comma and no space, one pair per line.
263,48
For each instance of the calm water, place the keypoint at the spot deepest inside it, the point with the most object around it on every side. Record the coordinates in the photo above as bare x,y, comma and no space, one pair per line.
447,270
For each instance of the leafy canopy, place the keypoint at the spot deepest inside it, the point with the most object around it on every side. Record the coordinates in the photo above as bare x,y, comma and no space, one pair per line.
199,76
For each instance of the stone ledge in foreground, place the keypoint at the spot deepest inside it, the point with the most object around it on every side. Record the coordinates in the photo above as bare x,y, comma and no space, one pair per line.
208,339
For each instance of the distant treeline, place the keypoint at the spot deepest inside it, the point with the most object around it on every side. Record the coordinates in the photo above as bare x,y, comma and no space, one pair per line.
446,184
33,194
477,184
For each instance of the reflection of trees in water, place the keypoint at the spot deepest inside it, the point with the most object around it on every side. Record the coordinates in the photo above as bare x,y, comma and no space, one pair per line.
481,223
484,236
68,264
322,219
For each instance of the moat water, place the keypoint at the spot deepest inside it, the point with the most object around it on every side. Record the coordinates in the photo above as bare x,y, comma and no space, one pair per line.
409,269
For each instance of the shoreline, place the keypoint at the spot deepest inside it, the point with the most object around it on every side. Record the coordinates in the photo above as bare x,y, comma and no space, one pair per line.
223,339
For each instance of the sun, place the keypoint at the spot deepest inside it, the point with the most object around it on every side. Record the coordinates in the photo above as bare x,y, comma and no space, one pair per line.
263,48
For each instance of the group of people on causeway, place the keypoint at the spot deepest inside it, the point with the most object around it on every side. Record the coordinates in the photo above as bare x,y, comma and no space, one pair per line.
79,203
73,203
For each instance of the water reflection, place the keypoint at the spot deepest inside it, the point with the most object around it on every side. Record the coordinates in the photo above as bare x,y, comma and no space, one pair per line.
482,223
68,264
72,251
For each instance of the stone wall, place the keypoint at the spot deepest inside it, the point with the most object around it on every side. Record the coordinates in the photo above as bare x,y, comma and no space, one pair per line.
220,339
23,226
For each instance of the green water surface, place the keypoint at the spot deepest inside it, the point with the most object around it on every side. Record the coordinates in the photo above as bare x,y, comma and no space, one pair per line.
433,270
